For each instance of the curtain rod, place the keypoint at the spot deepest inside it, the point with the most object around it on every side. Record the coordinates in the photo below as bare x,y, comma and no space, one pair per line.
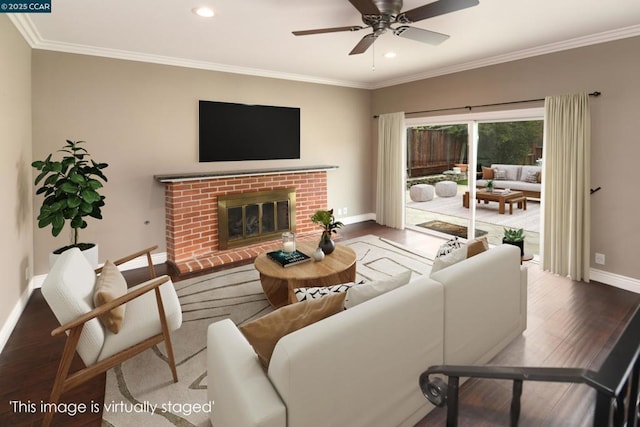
470,107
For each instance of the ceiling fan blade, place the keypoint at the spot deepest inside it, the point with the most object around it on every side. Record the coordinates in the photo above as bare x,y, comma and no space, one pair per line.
327,30
365,7
436,8
364,44
420,35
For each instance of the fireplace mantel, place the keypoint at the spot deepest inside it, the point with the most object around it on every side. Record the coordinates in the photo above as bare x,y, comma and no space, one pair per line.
197,176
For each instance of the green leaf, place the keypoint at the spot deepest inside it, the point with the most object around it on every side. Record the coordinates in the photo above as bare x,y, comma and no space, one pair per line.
86,208
68,187
74,201
94,184
38,164
89,195
58,224
76,178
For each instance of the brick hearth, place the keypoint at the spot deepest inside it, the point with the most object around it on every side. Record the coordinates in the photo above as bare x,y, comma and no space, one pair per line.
191,208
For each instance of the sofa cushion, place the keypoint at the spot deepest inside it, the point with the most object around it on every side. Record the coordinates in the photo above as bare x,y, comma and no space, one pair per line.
110,285
472,248
487,173
512,171
529,170
499,174
444,261
477,246
361,293
263,333
449,246
304,294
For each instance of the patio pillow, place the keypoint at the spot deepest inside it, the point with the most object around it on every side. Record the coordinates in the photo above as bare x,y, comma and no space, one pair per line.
532,177
487,173
499,174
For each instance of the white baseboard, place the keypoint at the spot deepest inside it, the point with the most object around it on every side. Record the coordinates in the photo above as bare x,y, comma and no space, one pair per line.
616,280
14,316
357,218
37,281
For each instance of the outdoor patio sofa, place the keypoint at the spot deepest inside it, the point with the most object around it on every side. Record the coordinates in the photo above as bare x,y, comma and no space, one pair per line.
525,178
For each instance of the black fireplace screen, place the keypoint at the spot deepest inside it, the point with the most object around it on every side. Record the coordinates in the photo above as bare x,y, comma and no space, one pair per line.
253,217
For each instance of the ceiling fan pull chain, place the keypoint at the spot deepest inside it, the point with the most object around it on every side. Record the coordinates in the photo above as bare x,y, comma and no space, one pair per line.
373,58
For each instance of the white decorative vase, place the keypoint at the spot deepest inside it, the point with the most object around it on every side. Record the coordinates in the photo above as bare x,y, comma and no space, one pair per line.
90,254
318,254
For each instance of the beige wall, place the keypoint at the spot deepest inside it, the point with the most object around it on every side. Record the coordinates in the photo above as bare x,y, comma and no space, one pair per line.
16,226
612,68
142,119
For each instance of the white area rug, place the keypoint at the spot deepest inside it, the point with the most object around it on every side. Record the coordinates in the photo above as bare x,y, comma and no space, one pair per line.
140,392
488,213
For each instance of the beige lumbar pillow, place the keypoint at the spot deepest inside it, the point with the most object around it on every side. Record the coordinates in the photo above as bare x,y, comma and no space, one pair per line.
110,285
263,333
361,293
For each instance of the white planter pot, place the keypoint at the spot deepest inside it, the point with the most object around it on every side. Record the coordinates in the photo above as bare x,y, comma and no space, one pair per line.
90,254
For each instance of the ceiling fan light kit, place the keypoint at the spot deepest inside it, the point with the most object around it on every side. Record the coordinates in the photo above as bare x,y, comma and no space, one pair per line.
381,15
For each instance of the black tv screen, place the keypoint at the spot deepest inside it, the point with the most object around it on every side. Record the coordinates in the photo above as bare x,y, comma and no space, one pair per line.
232,132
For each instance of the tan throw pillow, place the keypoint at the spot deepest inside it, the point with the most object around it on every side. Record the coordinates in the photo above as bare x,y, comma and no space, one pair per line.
361,293
487,173
263,333
110,285
477,246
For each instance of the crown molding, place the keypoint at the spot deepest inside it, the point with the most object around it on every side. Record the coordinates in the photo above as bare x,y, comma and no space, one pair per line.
30,33
603,37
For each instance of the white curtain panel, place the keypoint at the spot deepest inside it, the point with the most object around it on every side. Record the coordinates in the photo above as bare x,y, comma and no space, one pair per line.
390,192
566,183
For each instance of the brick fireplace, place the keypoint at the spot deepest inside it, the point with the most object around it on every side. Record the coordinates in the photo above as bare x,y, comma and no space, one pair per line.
191,212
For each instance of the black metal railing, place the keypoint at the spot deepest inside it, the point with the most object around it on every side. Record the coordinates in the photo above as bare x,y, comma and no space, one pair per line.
616,382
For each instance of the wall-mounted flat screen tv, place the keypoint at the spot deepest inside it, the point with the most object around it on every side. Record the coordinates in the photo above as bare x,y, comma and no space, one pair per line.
233,132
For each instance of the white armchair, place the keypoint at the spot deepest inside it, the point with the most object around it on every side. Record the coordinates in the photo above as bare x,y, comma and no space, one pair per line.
149,317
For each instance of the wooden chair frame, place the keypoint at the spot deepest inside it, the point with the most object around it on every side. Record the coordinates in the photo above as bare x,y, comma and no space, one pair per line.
65,381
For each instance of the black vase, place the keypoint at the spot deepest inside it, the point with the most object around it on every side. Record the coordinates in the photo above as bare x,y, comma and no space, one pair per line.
326,244
519,244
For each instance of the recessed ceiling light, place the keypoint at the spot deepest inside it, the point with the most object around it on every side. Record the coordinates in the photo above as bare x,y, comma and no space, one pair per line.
390,55
205,12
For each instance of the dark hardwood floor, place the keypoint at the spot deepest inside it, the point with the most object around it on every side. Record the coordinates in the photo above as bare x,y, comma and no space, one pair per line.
569,324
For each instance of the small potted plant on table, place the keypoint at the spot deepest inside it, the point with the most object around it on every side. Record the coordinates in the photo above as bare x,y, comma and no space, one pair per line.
327,221
514,237
490,186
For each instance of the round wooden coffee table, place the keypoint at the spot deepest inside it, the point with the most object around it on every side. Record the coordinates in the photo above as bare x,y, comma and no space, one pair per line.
278,282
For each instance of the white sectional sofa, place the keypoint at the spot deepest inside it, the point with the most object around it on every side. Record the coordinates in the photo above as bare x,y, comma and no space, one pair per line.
516,179
360,367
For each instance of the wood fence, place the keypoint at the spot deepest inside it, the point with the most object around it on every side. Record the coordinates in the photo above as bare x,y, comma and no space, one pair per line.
432,152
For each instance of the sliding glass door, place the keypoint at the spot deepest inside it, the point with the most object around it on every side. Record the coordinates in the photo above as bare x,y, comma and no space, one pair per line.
466,151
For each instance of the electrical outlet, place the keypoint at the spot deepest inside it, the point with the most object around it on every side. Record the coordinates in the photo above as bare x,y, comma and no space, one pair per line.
339,212
599,258
344,211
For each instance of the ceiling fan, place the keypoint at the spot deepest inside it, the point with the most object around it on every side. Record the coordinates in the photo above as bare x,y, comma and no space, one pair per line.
380,15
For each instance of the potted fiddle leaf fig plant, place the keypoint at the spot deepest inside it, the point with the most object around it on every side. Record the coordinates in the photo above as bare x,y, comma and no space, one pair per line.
513,236
70,188
329,225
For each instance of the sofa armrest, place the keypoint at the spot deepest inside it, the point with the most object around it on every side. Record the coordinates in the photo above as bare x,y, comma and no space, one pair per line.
238,386
484,304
